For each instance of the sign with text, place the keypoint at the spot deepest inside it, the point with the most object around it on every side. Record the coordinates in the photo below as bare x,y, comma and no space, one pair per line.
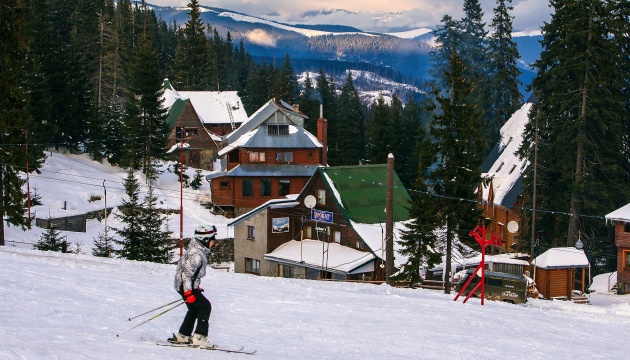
322,216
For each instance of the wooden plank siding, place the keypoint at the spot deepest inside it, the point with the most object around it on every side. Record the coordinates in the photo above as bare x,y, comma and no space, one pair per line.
555,282
228,191
300,156
202,150
622,240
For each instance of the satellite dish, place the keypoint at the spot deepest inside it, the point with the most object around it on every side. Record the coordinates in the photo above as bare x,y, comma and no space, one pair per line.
309,201
512,226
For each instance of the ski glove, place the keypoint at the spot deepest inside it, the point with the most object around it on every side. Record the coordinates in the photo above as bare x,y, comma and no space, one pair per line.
190,298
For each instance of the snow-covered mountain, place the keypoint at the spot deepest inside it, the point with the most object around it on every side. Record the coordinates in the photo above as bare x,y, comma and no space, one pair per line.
387,44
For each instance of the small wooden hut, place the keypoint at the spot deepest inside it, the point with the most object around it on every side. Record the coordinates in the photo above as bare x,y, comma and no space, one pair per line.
556,269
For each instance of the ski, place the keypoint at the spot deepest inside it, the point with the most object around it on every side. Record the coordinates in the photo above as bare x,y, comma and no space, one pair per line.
240,350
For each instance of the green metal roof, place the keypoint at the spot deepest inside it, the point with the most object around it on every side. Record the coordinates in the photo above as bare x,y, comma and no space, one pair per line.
174,112
362,189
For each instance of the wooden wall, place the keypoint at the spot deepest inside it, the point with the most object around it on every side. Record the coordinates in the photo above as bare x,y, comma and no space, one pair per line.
555,282
622,240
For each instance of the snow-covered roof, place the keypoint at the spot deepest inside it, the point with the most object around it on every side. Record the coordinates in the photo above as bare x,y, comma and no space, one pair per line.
507,168
309,253
560,258
621,214
212,107
374,234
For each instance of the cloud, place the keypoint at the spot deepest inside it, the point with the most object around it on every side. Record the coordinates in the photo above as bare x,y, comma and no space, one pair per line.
261,37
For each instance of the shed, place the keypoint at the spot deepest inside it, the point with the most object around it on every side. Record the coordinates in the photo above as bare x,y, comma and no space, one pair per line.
59,219
556,269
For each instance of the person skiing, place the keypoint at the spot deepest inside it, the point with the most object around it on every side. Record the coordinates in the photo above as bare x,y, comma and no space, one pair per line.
190,269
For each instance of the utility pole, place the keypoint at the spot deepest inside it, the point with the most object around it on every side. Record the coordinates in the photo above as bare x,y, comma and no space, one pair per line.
533,241
389,221
181,191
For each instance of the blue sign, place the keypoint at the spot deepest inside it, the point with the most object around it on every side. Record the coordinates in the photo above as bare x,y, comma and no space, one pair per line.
322,216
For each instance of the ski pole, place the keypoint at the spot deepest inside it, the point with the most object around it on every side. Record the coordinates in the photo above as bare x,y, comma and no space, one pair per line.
156,316
157,308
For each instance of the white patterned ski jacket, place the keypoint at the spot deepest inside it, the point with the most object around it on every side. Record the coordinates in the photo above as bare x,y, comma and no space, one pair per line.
191,267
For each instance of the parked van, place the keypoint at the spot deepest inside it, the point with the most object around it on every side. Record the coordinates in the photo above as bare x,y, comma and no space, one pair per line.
498,286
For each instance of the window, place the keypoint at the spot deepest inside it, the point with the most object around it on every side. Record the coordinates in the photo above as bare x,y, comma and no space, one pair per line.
252,266
286,271
224,184
626,260
251,230
321,197
233,156
286,156
337,236
626,227
188,132
248,187
277,129
284,187
265,187
256,156
360,245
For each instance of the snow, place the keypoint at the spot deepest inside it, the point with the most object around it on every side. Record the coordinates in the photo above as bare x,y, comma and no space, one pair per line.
73,306
410,34
338,258
508,168
621,214
211,106
561,257
64,306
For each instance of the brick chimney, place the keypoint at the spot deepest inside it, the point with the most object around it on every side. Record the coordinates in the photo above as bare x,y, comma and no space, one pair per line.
322,134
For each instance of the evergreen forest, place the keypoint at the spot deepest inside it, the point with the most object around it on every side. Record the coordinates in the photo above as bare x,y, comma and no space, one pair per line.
87,75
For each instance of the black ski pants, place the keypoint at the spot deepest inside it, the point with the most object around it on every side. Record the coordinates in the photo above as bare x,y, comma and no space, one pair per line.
198,311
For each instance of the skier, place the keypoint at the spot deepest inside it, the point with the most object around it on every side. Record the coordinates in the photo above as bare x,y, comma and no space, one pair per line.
190,269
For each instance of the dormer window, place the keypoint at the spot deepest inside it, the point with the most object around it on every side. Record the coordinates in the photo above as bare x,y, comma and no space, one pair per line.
277,129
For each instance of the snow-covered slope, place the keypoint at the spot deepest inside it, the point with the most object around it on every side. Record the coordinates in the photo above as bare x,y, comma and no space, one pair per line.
63,306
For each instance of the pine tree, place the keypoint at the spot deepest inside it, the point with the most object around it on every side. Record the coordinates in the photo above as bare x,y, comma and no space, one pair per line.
145,118
103,245
156,244
192,59
381,135
580,115
309,104
51,240
286,84
197,181
503,95
448,38
457,150
131,213
351,129
14,119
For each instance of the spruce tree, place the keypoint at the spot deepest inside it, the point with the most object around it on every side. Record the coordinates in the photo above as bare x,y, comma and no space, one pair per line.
458,150
309,104
504,97
131,214
351,129
286,87
103,245
14,118
381,138
51,240
580,115
192,60
156,244
448,38
145,118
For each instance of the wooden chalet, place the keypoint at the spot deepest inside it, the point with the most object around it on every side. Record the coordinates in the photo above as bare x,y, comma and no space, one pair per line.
500,196
556,269
197,119
341,238
621,221
268,157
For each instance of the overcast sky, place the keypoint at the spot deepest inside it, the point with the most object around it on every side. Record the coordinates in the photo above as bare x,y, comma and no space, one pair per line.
529,15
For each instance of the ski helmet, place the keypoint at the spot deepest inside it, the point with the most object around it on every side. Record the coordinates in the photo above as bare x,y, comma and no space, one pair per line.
205,234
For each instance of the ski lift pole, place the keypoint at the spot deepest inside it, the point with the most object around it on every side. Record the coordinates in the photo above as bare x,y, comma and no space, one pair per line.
154,317
157,308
